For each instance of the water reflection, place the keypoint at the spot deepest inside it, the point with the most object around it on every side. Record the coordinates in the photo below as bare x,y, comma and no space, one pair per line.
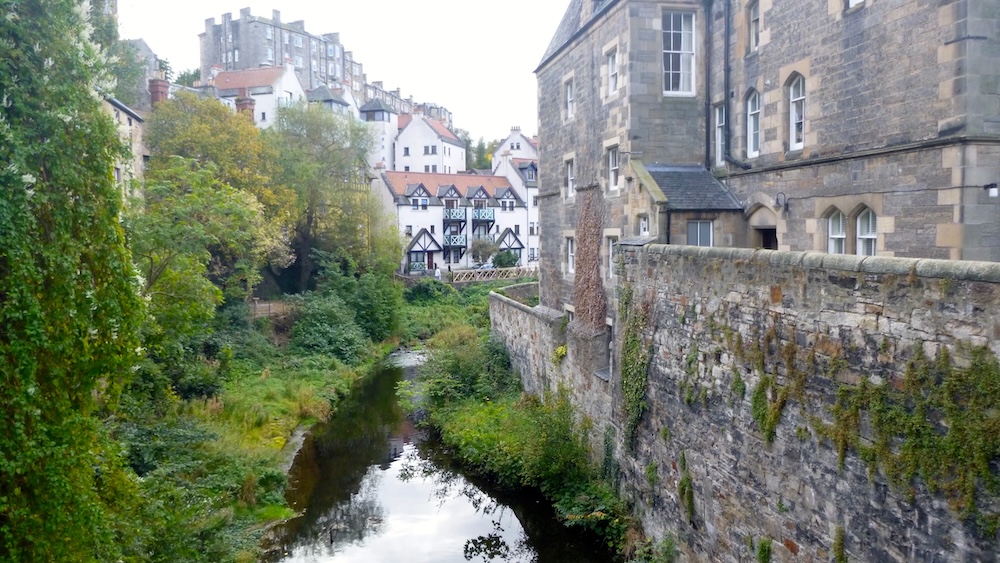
371,487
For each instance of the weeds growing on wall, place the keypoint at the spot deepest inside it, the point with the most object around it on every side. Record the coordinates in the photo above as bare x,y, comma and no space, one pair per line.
685,489
588,283
635,356
941,427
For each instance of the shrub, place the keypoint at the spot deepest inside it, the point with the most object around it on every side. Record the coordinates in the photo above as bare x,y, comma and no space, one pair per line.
326,326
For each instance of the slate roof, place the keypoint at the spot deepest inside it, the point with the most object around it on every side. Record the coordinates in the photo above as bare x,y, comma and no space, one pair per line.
324,94
376,104
692,188
571,24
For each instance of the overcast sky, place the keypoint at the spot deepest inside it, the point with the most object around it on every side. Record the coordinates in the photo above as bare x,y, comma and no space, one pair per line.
475,58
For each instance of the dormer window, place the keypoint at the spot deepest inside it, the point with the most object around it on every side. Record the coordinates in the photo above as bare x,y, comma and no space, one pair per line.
531,174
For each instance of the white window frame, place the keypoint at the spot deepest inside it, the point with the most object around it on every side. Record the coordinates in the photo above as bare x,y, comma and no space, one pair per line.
297,41
720,135
614,167
644,225
269,32
680,52
270,54
570,179
570,255
867,233
570,102
611,58
797,113
753,26
612,241
753,124
711,233
837,233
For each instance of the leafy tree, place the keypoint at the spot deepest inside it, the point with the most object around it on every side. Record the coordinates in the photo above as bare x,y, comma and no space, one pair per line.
482,249
482,158
505,259
207,131
193,238
188,77
470,149
321,158
168,71
327,326
70,311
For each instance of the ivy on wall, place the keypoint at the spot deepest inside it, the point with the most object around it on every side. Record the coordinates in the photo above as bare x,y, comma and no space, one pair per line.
634,362
588,288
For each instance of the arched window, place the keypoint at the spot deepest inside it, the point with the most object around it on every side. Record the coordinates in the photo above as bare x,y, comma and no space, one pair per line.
753,124
837,233
867,233
796,113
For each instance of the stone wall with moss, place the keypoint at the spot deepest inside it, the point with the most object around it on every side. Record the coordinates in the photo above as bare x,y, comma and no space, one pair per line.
811,406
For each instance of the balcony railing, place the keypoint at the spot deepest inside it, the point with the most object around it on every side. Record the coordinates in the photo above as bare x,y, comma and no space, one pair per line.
454,240
491,238
454,215
483,214
418,266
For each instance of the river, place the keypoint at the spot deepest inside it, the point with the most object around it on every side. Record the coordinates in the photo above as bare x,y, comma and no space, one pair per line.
372,487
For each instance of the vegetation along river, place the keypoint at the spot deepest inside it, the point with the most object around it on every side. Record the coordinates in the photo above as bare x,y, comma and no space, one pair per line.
370,486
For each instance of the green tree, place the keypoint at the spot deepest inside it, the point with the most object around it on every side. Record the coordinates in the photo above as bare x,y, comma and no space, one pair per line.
194,239
209,132
482,249
188,77
505,259
482,160
70,311
322,159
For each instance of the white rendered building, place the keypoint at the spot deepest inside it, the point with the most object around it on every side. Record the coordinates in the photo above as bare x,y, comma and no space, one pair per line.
427,145
268,87
516,145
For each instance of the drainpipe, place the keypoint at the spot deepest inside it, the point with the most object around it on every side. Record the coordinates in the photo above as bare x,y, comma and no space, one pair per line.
726,130
708,85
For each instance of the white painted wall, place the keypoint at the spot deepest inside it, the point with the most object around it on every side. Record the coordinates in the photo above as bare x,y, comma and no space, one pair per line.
448,158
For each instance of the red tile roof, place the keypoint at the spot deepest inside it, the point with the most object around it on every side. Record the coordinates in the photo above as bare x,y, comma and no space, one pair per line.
467,184
264,76
440,128
405,120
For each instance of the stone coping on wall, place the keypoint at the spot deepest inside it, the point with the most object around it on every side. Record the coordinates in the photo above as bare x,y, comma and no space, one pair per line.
960,270
541,311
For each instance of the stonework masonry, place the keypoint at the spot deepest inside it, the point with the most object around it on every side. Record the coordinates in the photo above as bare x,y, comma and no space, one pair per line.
729,328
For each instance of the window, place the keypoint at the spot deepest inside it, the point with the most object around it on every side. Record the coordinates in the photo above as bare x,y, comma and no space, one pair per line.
313,45
284,37
434,149
423,206
406,151
409,230
517,229
534,201
796,113
414,203
612,60
613,168
531,174
263,116
532,254
570,255
699,233
569,99
406,169
270,54
612,241
432,226
753,26
427,168
506,205
867,233
531,229
753,124
434,168
427,149
297,41
644,225
678,53
269,32
298,61
236,55
837,233
720,135
570,190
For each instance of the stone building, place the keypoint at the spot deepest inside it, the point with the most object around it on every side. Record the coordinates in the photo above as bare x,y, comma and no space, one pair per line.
845,126
861,126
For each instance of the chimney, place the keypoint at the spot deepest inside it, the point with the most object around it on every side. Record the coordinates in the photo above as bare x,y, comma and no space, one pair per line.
245,104
159,90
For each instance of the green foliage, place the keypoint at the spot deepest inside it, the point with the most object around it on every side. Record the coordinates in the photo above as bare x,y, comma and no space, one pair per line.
70,310
685,489
375,298
482,249
941,427
635,356
839,555
764,550
558,355
188,77
505,259
664,551
738,386
652,477
326,325
429,291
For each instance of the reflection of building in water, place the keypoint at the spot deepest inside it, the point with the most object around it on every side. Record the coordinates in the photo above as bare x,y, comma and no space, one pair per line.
398,438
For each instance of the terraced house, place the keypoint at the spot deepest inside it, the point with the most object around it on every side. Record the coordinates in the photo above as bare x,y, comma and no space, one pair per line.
867,127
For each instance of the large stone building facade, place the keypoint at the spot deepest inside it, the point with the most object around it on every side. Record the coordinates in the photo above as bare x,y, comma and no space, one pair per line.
867,127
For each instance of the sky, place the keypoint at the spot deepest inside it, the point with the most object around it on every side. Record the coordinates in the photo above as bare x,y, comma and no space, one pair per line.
473,57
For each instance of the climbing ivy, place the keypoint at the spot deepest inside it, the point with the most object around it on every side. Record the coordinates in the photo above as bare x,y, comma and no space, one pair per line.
685,489
940,426
635,356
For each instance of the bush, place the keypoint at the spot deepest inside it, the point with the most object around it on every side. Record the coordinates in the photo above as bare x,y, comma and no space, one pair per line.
326,325
428,291
505,259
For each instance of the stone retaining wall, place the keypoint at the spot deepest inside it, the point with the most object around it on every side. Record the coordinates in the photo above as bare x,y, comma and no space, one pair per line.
788,335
